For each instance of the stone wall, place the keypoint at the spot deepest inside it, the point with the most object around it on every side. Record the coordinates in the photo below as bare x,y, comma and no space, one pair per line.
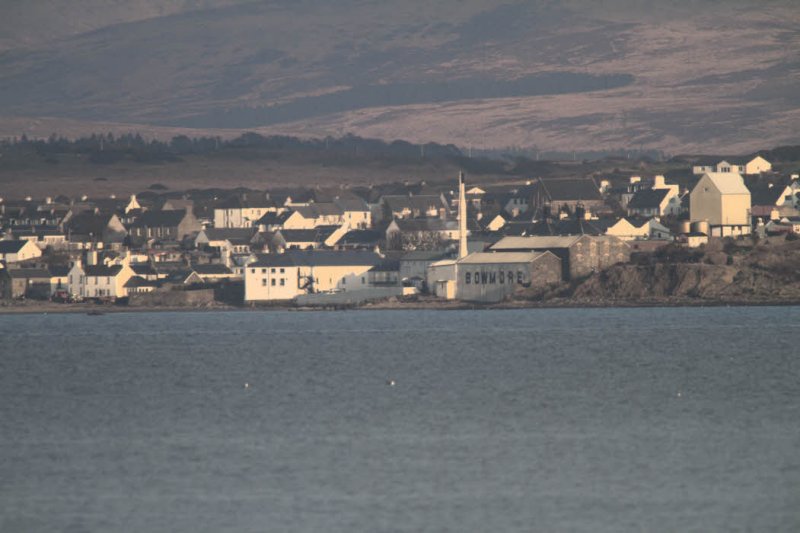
193,298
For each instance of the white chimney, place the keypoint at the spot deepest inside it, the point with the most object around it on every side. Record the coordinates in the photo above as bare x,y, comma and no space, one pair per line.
658,182
462,217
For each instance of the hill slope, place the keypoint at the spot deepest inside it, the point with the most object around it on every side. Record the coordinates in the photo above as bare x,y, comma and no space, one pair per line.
697,75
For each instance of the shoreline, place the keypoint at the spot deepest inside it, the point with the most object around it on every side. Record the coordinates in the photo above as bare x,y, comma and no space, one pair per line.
432,305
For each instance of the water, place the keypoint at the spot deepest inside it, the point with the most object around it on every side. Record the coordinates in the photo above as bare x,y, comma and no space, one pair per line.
576,420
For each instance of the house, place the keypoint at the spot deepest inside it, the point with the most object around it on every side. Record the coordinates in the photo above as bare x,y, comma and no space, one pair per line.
488,277
722,200
18,250
628,229
580,255
361,239
314,215
414,265
242,212
748,165
385,274
41,236
423,233
25,283
401,207
567,194
770,201
273,220
139,285
172,225
230,240
303,239
649,203
212,272
659,200
93,227
295,272
355,211
99,281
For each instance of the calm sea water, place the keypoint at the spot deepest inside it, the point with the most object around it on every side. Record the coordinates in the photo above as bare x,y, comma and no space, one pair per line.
549,420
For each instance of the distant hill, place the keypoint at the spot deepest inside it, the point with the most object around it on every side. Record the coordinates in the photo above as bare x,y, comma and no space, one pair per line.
681,76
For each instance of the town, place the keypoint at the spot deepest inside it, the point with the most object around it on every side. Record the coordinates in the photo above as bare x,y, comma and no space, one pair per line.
336,246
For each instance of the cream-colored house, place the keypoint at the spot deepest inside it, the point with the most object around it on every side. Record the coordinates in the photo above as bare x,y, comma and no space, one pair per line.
296,272
242,212
722,200
631,229
757,165
99,281
18,250
313,215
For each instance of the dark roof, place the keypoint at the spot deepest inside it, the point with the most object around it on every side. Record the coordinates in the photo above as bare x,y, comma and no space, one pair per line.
273,218
231,234
88,223
318,234
317,258
247,202
647,198
763,194
58,270
554,228
211,268
387,265
154,219
361,236
11,247
102,270
143,269
318,210
137,281
29,273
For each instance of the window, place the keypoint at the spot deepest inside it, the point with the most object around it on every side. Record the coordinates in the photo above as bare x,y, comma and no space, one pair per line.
264,282
283,270
272,282
272,270
363,281
263,271
283,282
253,270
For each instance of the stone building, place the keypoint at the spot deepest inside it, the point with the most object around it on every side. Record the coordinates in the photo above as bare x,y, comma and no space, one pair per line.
580,255
492,277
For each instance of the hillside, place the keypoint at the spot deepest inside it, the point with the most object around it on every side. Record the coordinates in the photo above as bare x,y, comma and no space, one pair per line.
485,73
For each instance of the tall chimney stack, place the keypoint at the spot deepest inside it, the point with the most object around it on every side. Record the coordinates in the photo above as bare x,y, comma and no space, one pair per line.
462,217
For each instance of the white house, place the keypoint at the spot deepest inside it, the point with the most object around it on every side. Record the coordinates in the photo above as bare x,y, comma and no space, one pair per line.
99,281
18,250
296,272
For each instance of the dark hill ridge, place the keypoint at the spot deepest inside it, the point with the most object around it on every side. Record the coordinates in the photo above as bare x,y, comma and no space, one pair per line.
485,73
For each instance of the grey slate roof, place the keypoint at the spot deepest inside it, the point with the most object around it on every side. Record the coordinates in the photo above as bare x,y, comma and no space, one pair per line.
209,269
155,219
317,258
647,198
102,270
11,247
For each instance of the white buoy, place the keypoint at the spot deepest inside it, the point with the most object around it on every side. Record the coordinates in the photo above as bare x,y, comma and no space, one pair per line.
391,383
246,385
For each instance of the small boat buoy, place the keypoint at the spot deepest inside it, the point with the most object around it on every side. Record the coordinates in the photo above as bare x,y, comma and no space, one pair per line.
246,385
391,382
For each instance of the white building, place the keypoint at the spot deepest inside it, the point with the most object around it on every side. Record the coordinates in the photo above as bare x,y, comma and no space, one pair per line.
98,281
295,272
